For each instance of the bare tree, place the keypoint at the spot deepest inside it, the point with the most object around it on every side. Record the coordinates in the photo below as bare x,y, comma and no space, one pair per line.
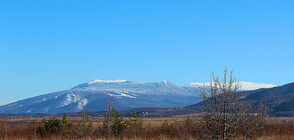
220,106
252,119
224,114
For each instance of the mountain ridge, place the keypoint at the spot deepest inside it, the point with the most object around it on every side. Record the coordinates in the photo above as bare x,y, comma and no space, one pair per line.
93,96
279,100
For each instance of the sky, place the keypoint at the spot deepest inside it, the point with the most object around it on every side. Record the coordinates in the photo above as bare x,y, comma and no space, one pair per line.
52,45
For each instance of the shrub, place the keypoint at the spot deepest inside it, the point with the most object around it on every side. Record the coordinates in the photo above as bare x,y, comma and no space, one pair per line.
113,122
53,125
66,126
188,124
117,124
166,127
3,129
136,125
85,127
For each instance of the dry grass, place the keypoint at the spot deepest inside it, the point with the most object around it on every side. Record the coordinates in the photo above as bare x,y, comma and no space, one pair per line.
99,120
276,129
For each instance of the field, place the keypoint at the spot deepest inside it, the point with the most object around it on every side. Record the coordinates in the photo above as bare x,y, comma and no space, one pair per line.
156,121
154,128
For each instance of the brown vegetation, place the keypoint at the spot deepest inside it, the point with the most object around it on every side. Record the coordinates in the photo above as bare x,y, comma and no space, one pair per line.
178,127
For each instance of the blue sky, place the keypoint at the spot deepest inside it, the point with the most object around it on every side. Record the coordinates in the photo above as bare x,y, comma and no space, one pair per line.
50,45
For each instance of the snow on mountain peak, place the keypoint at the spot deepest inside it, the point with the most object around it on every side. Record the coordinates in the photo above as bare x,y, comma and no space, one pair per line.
244,85
253,86
164,81
106,81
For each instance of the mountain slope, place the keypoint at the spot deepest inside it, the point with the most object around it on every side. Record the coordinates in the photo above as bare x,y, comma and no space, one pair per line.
93,96
279,100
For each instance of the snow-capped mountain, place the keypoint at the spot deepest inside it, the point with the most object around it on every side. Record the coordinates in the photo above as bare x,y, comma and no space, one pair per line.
244,85
93,96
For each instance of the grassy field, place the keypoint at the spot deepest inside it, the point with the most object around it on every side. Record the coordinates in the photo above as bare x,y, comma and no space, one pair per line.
97,121
22,128
155,121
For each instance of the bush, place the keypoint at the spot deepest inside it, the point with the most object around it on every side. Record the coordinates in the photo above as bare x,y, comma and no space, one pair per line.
117,125
3,129
53,125
85,127
113,122
188,124
166,127
66,126
136,125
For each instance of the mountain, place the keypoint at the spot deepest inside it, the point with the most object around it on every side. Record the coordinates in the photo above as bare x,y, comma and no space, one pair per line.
94,95
279,99
245,85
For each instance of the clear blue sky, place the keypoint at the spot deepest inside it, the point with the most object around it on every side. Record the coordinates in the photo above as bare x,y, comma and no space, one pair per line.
50,45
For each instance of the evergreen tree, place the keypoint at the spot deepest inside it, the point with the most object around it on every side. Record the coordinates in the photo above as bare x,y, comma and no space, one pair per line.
66,126
136,125
188,124
85,127
53,125
113,121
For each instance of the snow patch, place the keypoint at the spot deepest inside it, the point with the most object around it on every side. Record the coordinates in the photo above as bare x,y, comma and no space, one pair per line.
82,104
121,95
105,81
70,98
164,81
244,85
85,102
